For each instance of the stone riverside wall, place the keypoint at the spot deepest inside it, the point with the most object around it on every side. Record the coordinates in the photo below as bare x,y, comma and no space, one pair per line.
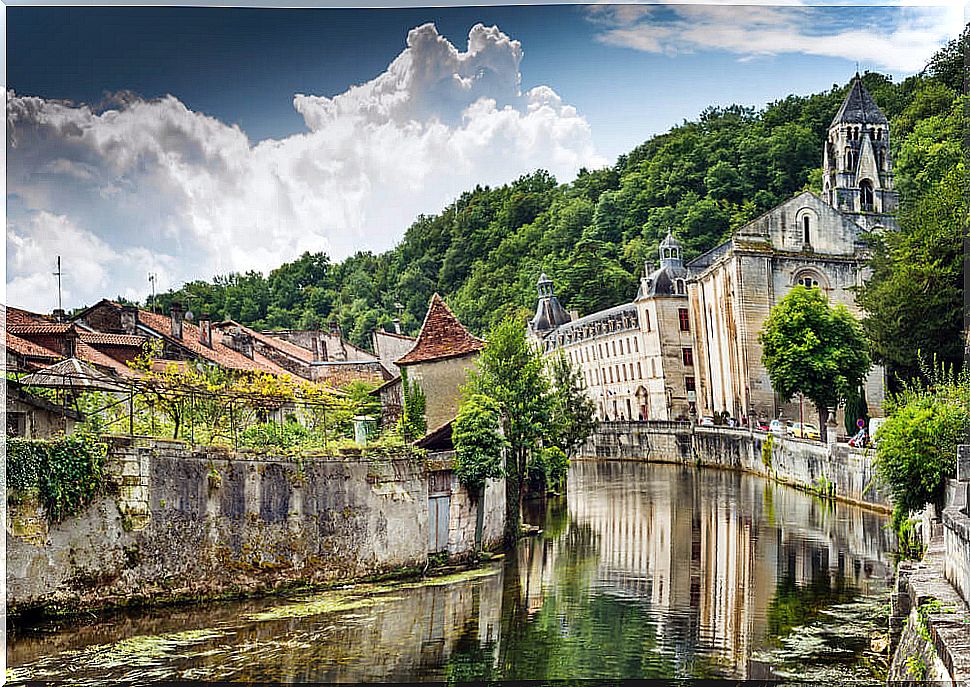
181,523
847,474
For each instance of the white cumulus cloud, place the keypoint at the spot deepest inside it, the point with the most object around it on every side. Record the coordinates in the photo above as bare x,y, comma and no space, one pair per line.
150,185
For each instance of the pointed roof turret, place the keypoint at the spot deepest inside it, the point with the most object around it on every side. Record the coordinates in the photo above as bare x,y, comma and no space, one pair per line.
442,336
549,311
859,107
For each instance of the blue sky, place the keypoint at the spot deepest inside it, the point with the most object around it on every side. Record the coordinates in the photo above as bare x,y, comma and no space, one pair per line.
234,171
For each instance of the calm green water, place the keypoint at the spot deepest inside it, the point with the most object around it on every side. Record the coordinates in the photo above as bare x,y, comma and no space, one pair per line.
644,571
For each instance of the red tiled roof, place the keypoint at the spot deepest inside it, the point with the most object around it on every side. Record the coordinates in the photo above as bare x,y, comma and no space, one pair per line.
29,348
92,355
39,328
291,349
20,317
442,336
219,354
105,339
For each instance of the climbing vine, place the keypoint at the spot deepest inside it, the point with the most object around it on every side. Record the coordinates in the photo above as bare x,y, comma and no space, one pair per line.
65,472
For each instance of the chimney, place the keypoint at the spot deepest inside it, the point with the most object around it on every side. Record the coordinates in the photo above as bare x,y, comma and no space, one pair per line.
129,319
397,325
205,330
59,315
177,314
70,343
239,341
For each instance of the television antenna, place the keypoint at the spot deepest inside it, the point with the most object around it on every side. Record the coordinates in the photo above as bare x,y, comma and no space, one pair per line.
59,274
152,278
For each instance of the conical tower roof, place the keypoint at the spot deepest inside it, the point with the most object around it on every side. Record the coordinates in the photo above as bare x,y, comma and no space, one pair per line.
442,336
859,107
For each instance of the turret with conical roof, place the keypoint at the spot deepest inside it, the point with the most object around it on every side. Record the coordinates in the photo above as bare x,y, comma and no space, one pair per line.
857,166
549,311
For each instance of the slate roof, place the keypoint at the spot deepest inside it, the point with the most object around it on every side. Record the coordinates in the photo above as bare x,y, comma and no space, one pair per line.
291,349
859,107
442,336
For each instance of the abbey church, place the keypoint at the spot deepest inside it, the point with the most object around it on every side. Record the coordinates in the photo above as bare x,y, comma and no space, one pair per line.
688,343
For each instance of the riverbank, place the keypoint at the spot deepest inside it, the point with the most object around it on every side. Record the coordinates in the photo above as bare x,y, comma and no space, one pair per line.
641,572
831,471
180,523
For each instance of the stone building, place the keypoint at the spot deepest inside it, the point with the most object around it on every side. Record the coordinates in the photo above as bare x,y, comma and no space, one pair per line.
809,240
636,358
688,344
439,362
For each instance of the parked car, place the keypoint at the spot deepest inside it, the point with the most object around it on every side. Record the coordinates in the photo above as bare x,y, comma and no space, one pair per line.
778,427
706,421
805,431
762,426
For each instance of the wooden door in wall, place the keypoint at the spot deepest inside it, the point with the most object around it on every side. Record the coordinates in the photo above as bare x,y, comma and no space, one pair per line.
439,510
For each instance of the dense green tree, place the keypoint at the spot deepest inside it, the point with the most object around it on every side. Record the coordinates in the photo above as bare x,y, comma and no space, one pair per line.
814,349
479,444
510,371
573,414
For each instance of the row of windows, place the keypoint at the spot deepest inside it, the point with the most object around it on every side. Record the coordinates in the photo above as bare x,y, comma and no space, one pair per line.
855,133
604,350
624,371
618,407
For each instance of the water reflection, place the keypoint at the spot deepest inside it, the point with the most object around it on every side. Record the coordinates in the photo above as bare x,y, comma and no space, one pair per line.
646,571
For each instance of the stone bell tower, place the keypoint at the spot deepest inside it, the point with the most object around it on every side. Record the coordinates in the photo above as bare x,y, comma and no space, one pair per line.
857,171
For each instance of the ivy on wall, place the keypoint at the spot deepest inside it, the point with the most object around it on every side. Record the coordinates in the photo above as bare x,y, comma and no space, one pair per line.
65,472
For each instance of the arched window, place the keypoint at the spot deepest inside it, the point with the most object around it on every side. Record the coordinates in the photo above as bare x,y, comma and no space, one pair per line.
866,195
850,160
806,230
681,287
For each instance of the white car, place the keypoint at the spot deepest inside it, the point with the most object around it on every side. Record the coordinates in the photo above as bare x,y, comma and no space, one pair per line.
706,421
778,427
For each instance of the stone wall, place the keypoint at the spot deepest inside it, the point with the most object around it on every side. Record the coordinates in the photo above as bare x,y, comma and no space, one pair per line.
844,473
193,523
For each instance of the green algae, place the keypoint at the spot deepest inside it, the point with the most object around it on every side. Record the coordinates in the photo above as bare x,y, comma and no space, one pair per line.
358,596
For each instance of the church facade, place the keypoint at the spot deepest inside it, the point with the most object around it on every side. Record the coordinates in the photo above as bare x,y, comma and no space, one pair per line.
695,327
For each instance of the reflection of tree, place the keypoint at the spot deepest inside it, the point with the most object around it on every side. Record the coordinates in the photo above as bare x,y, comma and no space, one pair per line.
470,660
797,604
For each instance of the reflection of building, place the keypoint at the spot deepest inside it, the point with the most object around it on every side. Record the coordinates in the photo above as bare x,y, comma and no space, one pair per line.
707,550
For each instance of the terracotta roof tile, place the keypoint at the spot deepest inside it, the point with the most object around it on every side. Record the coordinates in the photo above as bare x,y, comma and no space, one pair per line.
39,328
18,317
219,354
442,336
29,348
92,355
106,339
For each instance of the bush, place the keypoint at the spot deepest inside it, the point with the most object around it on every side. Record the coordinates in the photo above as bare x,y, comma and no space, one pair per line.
916,445
269,436
478,442
66,472
548,468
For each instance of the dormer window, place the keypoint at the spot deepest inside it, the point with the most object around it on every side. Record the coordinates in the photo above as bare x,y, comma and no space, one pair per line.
680,287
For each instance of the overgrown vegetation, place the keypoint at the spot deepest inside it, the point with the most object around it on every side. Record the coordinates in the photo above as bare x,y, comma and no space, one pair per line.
478,441
66,473
412,423
916,445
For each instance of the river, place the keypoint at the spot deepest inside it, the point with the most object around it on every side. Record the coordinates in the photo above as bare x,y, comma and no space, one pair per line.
643,571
